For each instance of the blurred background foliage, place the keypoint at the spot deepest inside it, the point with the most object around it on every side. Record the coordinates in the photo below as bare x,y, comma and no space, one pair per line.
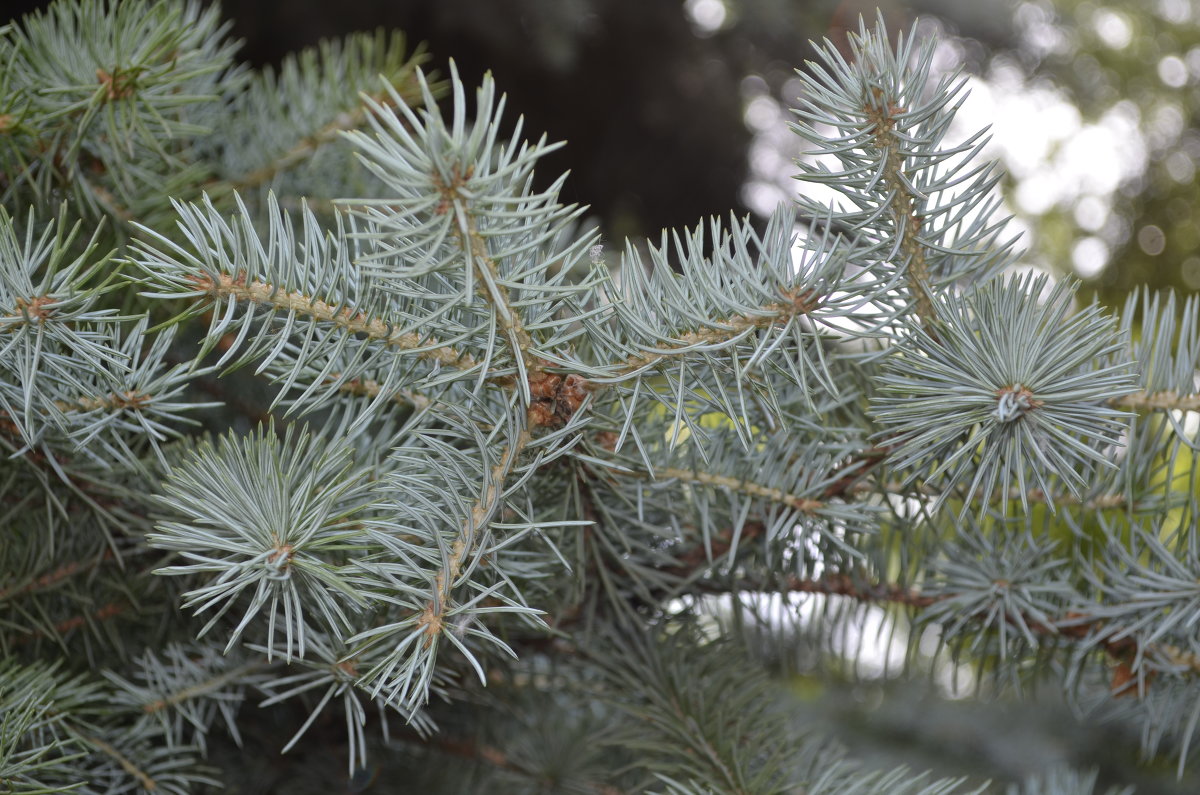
674,110
677,109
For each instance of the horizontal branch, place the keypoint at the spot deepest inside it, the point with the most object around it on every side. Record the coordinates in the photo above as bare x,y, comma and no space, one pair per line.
52,578
353,322
207,686
1166,400
368,387
75,622
844,585
113,401
1072,625
742,486
728,329
102,614
1100,502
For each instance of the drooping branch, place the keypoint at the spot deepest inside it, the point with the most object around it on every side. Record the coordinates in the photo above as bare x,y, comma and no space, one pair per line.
432,618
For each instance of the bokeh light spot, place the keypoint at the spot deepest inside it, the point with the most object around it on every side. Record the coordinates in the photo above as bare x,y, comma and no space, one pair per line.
1151,240
1173,71
1189,270
707,16
1089,256
1112,28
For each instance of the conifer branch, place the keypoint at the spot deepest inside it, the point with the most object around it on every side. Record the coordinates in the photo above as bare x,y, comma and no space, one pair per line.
58,575
692,564
741,486
1070,625
491,288
494,757
207,686
908,223
306,147
126,764
55,467
432,618
225,285
827,585
369,387
1100,502
102,613
778,414
476,251
113,401
723,331
110,203
1164,400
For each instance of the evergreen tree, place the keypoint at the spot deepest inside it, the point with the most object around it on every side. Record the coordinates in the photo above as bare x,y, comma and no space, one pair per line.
314,399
